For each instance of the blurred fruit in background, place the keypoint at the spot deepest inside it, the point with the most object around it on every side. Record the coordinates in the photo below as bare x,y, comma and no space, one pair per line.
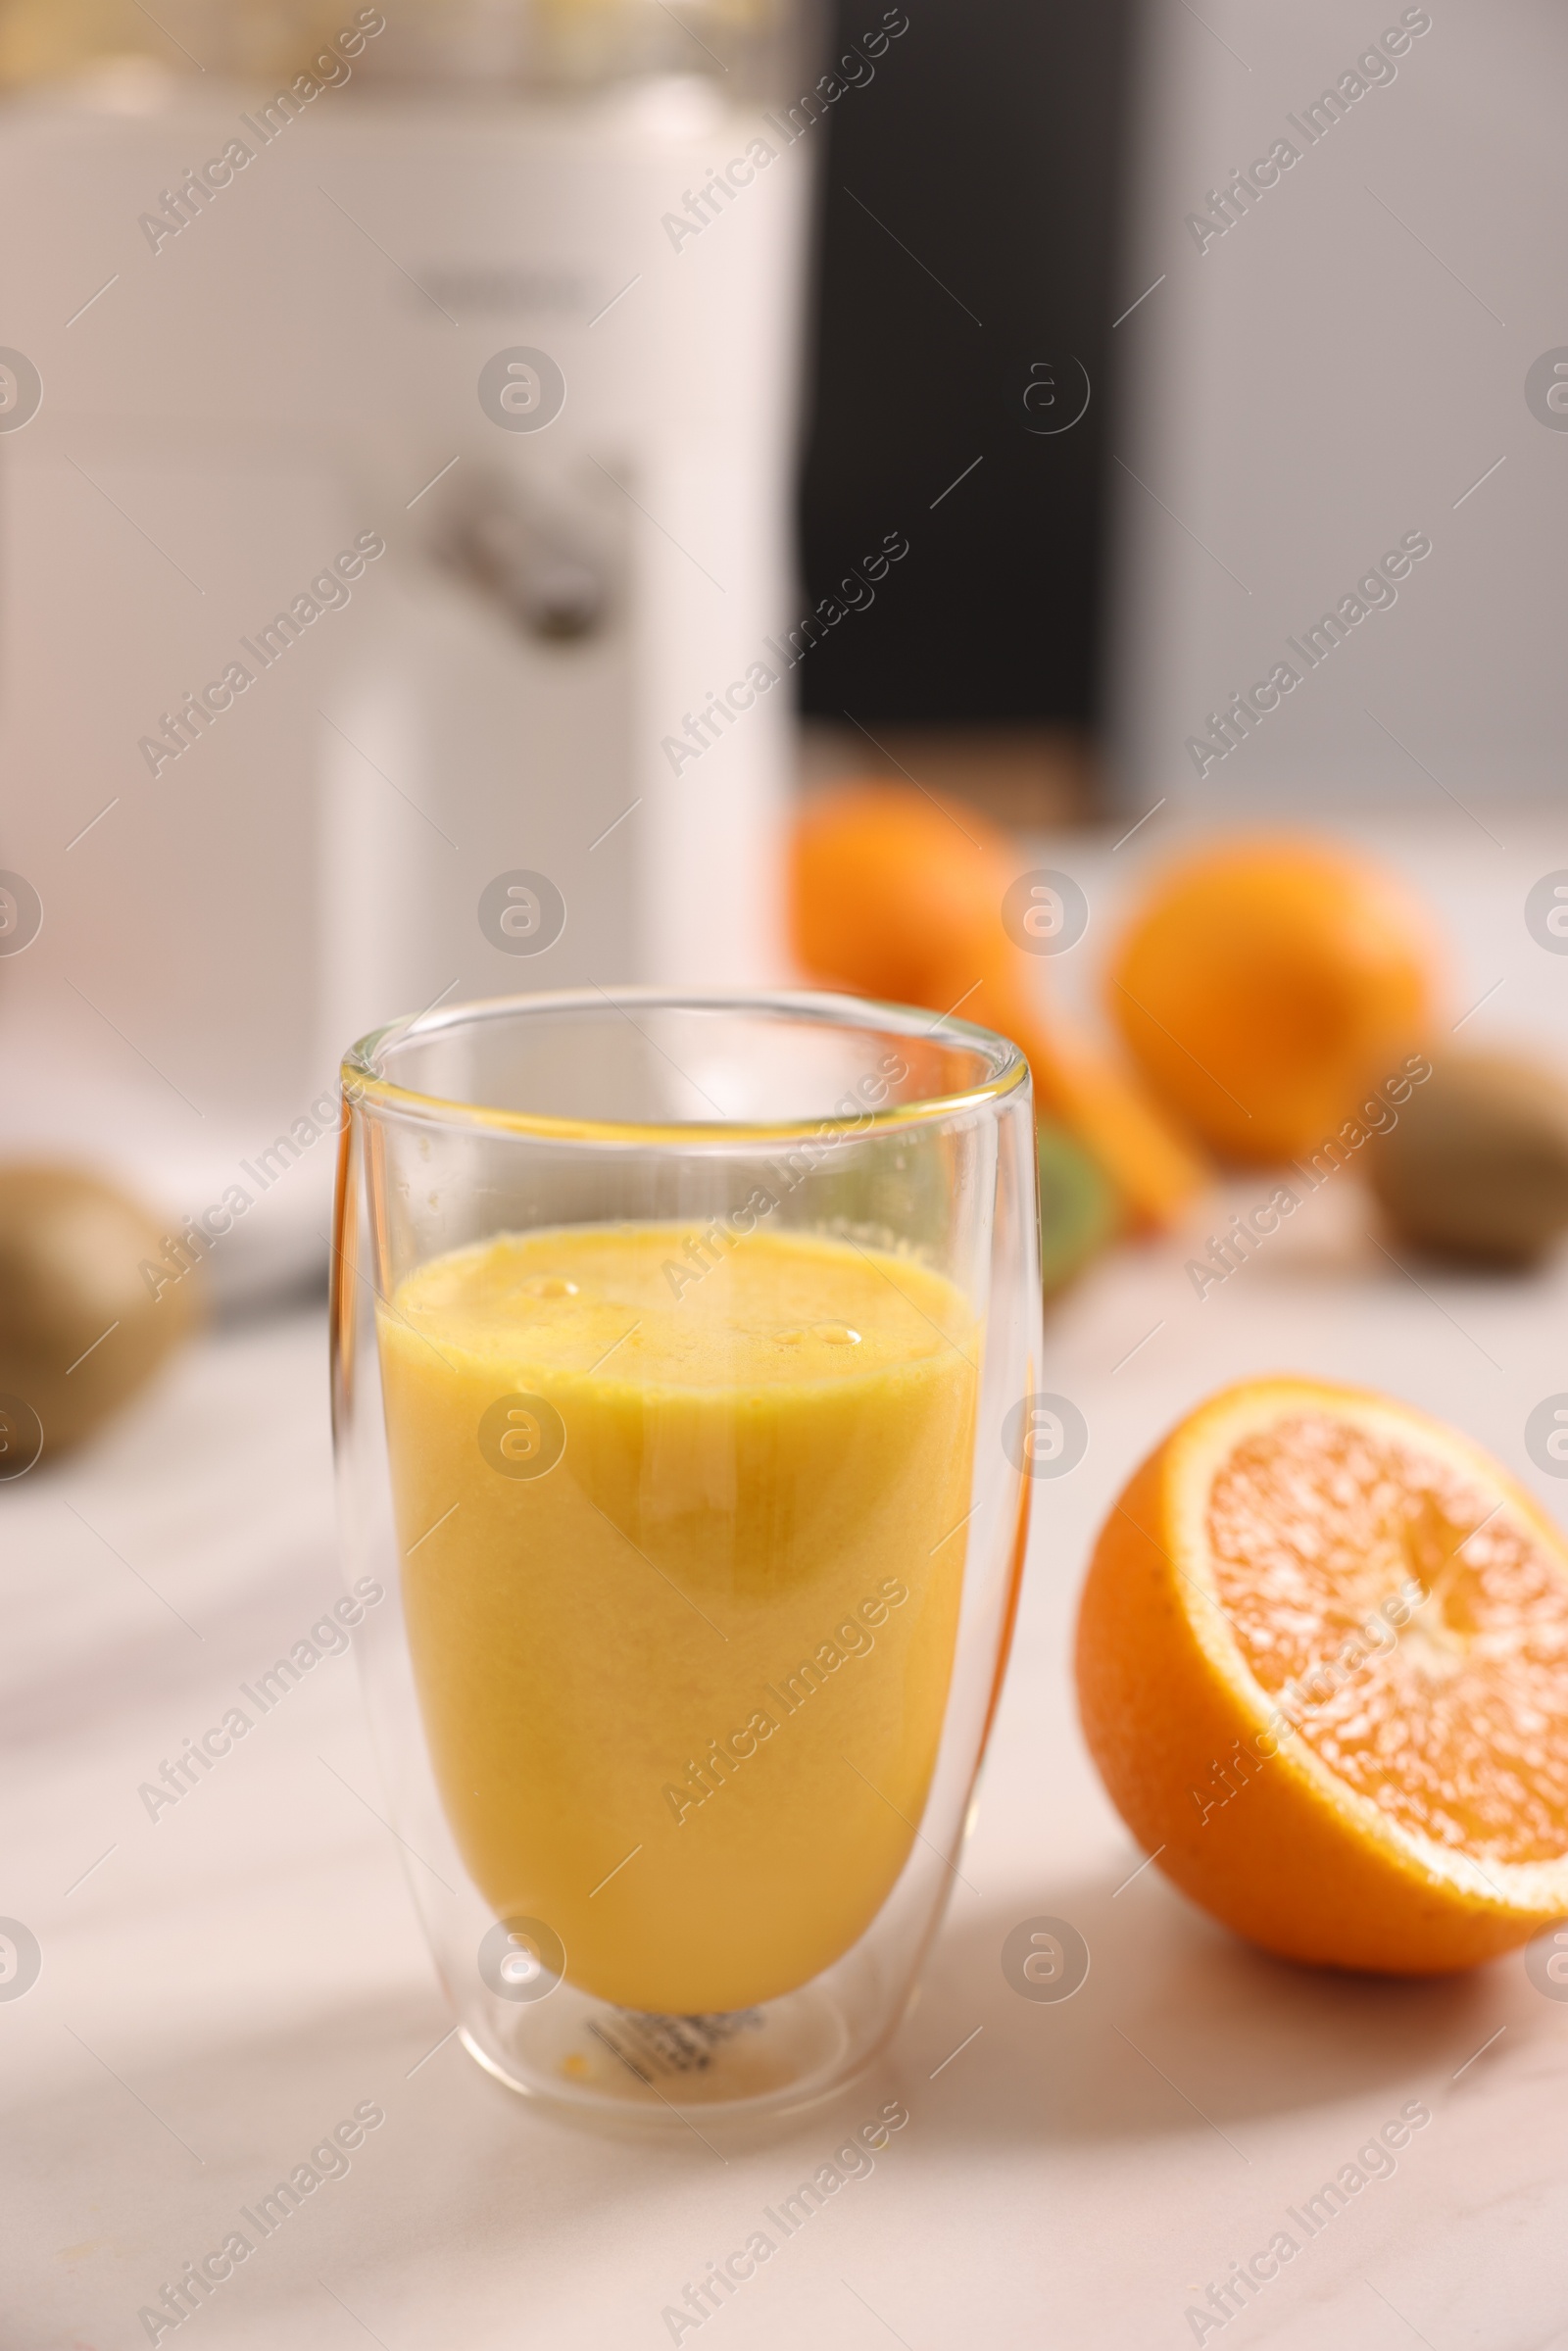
1153,1168
1477,1168
1080,1210
893,895
80,1329
1266,985
1321,1669
890,888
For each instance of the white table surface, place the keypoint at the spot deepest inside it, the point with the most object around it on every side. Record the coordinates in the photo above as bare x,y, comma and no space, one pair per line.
221,1986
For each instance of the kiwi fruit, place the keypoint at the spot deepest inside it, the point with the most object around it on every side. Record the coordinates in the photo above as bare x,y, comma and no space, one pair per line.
1080,1213
1476,1171
80,1329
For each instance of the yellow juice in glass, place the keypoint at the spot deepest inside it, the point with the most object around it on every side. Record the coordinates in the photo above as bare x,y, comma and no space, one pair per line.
684,1688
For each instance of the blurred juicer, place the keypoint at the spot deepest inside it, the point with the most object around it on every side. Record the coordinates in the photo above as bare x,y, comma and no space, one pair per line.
413,458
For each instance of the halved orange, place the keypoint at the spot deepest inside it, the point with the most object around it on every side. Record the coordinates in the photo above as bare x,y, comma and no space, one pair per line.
1323,1670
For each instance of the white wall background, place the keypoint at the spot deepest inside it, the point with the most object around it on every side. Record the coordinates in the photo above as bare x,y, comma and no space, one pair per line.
1327,377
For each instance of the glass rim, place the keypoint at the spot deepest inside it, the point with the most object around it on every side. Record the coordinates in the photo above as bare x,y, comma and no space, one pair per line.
1005,1066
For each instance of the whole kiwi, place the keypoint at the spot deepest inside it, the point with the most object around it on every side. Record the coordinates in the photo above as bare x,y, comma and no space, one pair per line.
1477,1168
80,1329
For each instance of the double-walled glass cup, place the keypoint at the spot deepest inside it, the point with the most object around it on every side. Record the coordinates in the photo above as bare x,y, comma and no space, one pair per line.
675,1340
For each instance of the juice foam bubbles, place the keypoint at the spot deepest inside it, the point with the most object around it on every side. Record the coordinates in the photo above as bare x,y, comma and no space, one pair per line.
683,1644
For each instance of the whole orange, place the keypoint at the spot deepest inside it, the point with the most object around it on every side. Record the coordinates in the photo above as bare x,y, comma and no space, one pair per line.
1323,1669
889,889
1264,988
